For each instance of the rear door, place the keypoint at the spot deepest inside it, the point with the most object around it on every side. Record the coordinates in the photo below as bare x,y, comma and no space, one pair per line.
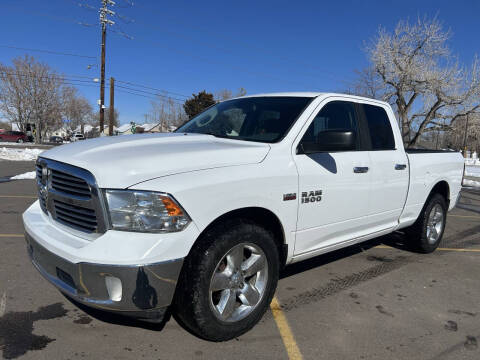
334,186
389,172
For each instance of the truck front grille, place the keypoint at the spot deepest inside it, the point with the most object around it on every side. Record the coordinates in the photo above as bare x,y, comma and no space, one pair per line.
76,216
70,184
41,194
71,197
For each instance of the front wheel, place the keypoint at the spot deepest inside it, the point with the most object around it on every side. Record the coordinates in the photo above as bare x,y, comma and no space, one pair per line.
20,141
228,281
427,232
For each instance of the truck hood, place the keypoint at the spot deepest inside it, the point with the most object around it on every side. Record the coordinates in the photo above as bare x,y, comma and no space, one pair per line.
122,161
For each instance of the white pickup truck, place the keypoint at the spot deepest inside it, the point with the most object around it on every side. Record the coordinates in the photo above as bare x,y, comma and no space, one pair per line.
203,219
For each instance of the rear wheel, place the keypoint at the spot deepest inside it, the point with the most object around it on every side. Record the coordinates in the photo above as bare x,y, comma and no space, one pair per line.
20,141
427,232
228,281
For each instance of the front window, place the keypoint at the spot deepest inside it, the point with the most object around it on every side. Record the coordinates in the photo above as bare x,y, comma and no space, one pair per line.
262,119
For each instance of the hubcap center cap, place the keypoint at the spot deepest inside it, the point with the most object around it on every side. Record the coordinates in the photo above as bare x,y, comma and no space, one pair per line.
237,280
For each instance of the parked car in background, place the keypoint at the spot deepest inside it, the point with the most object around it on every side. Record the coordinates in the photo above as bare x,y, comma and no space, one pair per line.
121,226
14,136
56,139
77,136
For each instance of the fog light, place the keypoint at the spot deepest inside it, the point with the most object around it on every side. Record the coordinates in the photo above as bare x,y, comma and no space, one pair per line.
114,288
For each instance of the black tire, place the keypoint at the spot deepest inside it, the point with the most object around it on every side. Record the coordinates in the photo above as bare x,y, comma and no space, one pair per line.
193,307
418,233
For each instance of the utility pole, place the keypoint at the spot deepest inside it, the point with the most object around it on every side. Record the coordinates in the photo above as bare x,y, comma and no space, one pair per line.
104,21
111,108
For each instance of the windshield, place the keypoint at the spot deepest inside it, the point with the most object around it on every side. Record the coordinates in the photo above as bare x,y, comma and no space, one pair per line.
262,119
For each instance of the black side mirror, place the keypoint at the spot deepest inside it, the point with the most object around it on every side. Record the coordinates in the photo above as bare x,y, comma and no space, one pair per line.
330,141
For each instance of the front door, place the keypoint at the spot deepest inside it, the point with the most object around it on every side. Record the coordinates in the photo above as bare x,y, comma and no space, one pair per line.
334,184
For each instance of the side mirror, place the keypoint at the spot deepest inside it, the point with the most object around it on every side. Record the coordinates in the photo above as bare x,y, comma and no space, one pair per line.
329,141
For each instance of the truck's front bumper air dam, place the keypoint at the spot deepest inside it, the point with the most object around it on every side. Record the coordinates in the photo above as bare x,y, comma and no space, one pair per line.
141,291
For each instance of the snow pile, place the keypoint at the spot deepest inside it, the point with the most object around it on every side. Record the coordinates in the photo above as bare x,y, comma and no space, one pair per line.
472,171
11,143
467,182
474,161
19,154
25,176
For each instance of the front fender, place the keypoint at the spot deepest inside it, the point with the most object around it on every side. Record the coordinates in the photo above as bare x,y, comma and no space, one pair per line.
208,194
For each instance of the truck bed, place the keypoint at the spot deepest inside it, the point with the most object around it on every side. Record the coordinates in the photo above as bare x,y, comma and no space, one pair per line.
427,168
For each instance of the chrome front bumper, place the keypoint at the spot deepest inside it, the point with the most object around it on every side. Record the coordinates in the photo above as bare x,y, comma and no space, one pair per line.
141,291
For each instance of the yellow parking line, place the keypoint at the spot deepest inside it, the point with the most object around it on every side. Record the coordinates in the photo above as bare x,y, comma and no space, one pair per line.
440,249
285,332
459,250
11,235
465,216
19,196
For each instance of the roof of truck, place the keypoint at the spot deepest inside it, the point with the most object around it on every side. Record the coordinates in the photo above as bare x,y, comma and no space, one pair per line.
297,93
315,94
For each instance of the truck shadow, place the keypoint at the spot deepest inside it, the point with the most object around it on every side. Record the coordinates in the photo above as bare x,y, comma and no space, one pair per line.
395,240
118,319
469,200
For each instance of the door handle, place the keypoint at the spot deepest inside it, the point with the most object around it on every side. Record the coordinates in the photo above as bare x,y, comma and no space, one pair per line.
360,169
400,166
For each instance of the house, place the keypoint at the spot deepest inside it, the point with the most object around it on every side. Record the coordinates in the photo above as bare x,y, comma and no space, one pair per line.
126,129
151,127
62,132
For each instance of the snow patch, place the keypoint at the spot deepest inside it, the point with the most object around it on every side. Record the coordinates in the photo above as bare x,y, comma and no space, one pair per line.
11,143
467,182
28,175
19,154
470,161
472,171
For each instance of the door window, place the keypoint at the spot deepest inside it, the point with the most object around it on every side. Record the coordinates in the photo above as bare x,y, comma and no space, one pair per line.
332,128
381,134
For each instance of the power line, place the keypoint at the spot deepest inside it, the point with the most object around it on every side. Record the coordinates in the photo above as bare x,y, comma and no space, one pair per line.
48,51
150,93
147,96
151,88
50,77
81,81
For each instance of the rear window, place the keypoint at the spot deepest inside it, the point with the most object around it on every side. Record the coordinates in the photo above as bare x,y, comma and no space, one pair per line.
381,134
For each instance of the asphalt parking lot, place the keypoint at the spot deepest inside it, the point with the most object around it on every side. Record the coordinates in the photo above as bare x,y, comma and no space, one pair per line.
375,301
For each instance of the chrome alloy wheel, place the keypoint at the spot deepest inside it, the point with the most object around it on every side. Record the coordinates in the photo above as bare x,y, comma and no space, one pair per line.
435,224
239,282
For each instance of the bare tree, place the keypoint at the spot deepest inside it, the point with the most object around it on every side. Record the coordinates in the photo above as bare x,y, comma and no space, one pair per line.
225,94
76,109
464,131
367,84
419,75
4,125
166,112
30,93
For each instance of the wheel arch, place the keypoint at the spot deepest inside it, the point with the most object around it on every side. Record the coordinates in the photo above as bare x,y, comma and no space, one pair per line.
261,216
442,188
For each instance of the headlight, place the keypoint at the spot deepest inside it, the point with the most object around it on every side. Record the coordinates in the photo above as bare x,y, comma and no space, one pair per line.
145,211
